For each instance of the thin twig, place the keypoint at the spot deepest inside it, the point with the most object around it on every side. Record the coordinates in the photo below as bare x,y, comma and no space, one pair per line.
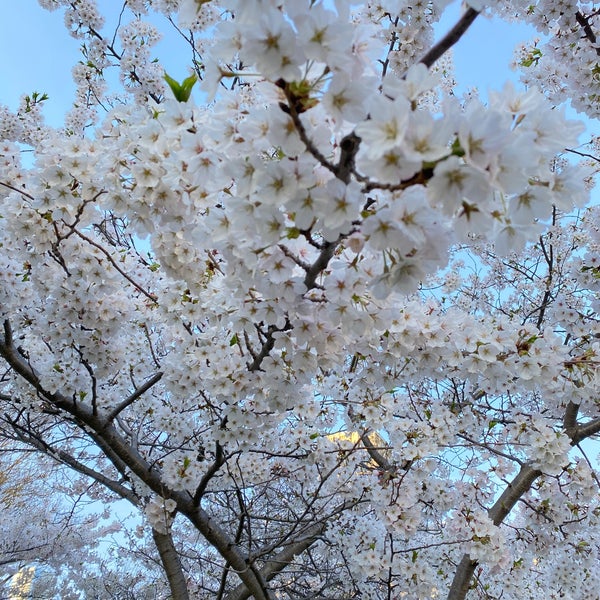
137,286
584,154
133,397
308,143
11,187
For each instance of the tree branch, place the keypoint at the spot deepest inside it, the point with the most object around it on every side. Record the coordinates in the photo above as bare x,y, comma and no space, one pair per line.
212,470
585,431
497,513
514,491
65,458
133,397
439,49
326,254
274,566
587,30
22,192
171,564
126,458
136,285
570,420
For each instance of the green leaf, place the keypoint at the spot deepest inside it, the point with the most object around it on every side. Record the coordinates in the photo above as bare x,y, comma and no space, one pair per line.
174,85
234,340
534,57
457,149
181,91
187,85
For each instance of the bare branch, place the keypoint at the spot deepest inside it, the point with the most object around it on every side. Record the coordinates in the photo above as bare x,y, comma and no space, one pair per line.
29,438
11,187
326,254
450,38
133,397
570,419
587,30
284,558
210,473
585,431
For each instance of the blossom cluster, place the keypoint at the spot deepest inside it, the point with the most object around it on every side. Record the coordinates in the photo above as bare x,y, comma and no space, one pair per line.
247,296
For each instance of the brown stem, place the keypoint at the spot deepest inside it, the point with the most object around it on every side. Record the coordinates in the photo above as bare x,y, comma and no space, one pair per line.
283,559
138,287
519,486
133,397
584,22
450,38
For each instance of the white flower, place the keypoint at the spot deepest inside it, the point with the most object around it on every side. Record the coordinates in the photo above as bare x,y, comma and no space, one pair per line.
344,99
273,47
339,206
386,127
453,182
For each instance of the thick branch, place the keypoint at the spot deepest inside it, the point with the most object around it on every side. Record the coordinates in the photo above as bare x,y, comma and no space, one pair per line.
570,420
514,490
267,345
497,513
348,150
172,564
18,363
383,463
585,431
274,566
587,30
327,252
462,578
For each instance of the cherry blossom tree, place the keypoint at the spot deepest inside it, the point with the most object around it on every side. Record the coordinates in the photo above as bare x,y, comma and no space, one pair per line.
329,326
40,531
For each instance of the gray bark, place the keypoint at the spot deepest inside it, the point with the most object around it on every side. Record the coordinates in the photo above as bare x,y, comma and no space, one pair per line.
171,564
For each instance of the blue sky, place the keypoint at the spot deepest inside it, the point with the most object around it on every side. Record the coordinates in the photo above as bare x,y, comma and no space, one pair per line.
37,53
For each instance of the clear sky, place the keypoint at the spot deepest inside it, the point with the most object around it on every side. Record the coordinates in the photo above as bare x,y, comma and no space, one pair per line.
36,53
